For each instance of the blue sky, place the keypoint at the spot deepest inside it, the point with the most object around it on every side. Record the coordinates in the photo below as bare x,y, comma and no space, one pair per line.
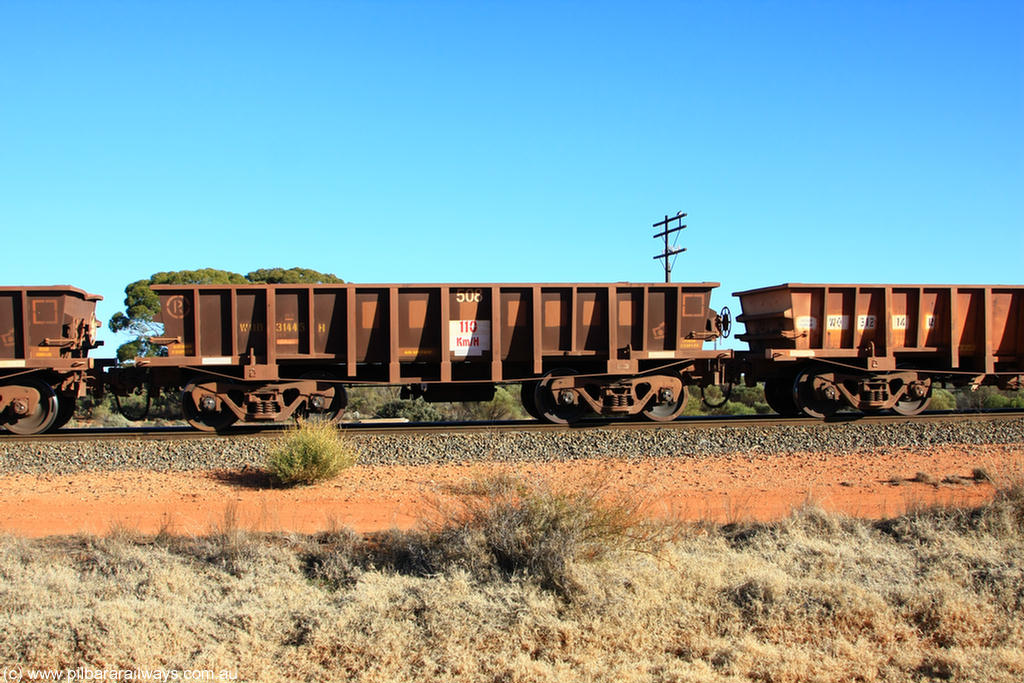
512,142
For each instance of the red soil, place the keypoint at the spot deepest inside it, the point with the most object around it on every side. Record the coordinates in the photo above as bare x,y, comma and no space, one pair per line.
882,483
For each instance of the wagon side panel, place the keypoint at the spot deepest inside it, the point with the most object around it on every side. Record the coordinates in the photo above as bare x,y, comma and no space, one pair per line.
12,339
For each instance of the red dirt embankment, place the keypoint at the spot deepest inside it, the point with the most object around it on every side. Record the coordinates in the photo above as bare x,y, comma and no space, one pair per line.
881,483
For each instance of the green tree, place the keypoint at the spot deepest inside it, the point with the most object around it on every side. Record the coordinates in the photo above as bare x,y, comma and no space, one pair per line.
142,305
942,399
504,406
364,401
987,398
292,276
416,410
743,400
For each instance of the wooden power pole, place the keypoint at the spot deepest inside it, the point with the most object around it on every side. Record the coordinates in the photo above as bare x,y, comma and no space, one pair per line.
668,250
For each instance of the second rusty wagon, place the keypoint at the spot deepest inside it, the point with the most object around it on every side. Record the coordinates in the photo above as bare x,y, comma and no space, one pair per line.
46,334
820,347
260,353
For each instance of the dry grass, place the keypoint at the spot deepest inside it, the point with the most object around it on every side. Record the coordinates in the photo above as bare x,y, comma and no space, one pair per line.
502,528
310,452
516,528
925,478
934,595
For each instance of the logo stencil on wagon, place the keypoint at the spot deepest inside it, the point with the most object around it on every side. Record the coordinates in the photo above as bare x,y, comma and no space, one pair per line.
178,307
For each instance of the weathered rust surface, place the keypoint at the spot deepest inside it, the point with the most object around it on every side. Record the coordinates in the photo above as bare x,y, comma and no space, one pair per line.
267,352
961,327
819,347
46,334
433,333
46,327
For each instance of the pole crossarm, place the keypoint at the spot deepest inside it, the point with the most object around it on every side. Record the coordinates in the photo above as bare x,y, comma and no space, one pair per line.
669,232
668,250
671,253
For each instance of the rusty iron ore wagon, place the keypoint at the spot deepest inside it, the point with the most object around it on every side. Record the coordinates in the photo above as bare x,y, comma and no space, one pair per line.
264,353
45,337
821,347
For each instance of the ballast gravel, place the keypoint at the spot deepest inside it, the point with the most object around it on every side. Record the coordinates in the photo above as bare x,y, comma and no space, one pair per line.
250,451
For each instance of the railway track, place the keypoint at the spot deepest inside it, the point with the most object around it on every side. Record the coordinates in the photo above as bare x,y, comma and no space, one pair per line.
405,428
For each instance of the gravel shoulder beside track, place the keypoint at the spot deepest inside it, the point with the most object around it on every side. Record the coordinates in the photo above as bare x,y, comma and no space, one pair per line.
242,452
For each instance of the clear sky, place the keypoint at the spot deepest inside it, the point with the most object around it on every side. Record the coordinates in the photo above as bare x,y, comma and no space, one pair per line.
512,141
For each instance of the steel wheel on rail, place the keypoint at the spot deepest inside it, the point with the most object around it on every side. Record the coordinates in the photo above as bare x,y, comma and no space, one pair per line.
205,417
669,403
815,394
916,398
40,418
778,394
330,400
526,396
66,404
560,406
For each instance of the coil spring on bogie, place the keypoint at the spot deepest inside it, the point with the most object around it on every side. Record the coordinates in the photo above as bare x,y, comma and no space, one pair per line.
262,407
875,392
618,400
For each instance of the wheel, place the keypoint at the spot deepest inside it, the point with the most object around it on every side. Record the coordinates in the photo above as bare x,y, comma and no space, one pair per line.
909,405
526,396
561,409
66,404
204,420
808,395
334,396
42,417
665,408
778,394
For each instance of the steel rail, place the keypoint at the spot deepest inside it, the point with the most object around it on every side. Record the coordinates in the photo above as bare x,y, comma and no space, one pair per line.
411,428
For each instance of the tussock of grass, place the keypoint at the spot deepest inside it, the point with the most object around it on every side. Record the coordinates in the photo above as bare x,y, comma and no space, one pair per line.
925,478
511,527
980,474
501,528
934,595
311,452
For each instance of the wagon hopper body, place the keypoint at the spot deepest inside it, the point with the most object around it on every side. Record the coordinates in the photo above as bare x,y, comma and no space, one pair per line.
268,352
820,347
45,337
